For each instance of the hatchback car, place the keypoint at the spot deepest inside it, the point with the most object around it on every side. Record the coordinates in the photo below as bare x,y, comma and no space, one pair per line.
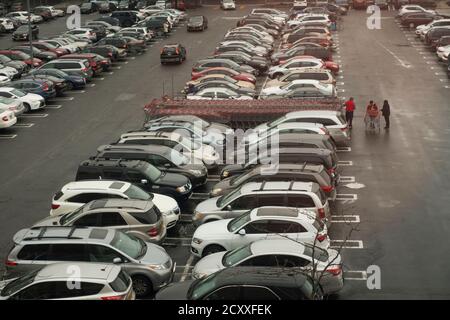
97,281
78,67
148,264
272,222
173,53
197,23
22,33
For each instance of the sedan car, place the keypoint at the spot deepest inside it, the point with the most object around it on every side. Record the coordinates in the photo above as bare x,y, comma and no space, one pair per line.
19,65
173,53
21,56
325,89
323,265
197,23
226,63
216,93
22,33
13,105
30,101
257,224
43,55
76,82
41,87
220,77
223,84
322,75
299,63
242,58
225,71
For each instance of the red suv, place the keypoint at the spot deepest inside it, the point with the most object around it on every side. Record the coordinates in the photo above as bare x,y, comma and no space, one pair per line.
92,58
49,47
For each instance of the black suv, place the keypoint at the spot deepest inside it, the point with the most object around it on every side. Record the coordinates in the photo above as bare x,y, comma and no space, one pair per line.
126,18
162,157
245,283
139,173
173,53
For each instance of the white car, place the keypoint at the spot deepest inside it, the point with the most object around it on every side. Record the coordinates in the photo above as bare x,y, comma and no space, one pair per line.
443,53
257,224
150,10
254,29
324,265
83,33
190,148
75,194
109,28
55,12
227,4
8,72
7,23
308,19
413,8
424,28
31,101
22,16
148,35
217,94
7,119
295,64
273,12
258,49
4,80
326,89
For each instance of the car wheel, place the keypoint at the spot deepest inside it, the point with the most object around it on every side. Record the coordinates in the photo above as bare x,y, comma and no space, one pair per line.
27,107
142,286
212,249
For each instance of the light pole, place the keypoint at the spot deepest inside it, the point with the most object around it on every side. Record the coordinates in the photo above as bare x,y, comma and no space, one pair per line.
30,33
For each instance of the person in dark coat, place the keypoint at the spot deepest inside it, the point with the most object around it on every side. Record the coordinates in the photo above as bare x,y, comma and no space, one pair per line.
386,112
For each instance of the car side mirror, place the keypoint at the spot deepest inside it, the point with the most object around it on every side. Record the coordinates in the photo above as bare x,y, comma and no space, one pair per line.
144,181
242,232
229,208
117,260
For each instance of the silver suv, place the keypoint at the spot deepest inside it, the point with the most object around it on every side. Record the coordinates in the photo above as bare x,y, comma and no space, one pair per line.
94,282
140,218
149,265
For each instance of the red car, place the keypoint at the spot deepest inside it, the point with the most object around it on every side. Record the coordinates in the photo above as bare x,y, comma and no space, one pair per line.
49,47
91,57
222,70
21,56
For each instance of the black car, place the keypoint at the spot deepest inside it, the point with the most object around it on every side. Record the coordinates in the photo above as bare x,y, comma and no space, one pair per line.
162,157
37,53
173,53
88,7
140,173
197,23
112,21
243,284
22,33
106,6
126,18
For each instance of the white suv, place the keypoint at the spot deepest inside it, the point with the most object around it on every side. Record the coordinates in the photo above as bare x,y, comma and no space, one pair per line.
294,194
75,194
258,224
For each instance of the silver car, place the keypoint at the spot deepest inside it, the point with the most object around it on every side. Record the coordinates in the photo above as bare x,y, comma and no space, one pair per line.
284,253
149,265
94,282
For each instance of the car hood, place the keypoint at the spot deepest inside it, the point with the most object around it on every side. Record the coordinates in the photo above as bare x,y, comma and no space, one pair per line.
208,265
32,97
173,180
209,205
164,203
213,230
174,291
154,255
223,185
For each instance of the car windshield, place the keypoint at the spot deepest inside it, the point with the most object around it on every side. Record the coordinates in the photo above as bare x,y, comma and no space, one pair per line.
276,122
232,258
22,29
151,172
128,244
196,20
319,253
134,192
202,287
227,198
238,222
18,284
18,93
69,217
237,180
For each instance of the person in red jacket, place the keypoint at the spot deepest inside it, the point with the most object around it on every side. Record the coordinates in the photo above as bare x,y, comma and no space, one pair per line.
349,109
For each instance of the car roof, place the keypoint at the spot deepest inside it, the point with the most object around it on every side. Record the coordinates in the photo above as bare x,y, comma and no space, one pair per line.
299,124
88,185
283,212
277,186
292,167
107,272
313,113
278,246
302,137
54,233
99,162
133,204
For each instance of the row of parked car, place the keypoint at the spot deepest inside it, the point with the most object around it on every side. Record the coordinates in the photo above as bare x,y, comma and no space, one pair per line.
70,60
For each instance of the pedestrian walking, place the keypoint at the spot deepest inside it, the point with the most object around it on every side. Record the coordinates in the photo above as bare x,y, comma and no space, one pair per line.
349,109
386,112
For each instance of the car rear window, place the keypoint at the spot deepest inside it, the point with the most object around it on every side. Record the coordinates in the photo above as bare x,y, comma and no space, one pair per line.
121,283
58,195
152,216
315,76
169,50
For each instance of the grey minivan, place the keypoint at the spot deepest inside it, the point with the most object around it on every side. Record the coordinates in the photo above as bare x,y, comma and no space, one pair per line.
78,67
148,264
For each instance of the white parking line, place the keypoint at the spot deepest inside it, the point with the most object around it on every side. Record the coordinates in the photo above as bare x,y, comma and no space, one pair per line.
347,179
346,218
24,125
116,68
346,197
345,163
77,91
91,85
53,106
347,244
186,268
34,115
126,62
355,275
112,72
199,196
344,149
101,79
213,179
8,136
62,99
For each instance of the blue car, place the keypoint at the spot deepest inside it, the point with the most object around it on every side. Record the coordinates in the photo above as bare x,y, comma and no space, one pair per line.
77,82
45,89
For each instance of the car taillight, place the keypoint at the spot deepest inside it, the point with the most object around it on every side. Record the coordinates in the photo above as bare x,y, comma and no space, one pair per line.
320,237
325,131
327,188
153,232
321,213
162,50
55,206
335,270
84,69
121,297
344,129
110,54
45,87
177,51
5,118
331,171
10,263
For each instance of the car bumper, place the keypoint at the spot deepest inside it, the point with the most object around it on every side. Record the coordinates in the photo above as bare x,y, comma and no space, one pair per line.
199,28
174,59
165,277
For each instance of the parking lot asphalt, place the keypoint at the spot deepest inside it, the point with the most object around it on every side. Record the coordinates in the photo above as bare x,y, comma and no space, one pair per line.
396,183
